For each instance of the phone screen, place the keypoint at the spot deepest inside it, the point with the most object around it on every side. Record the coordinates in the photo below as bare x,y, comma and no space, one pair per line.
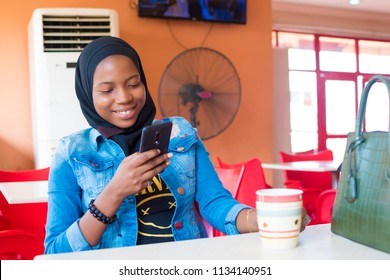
156,136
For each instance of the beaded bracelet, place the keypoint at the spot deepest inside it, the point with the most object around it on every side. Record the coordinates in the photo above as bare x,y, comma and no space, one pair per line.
99,215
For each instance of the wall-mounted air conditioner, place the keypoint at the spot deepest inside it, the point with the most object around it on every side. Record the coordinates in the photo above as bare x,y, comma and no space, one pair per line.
56,38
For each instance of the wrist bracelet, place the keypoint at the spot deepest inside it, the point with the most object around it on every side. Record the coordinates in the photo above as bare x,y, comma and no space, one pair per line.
99,215
247,218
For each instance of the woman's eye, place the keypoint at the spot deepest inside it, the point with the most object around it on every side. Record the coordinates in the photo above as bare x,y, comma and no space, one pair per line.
134,85
106,90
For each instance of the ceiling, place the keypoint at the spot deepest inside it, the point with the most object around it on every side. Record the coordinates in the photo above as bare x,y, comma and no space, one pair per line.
380,6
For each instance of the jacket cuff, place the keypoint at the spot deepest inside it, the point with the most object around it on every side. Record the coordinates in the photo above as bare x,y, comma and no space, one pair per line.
230,222
77,240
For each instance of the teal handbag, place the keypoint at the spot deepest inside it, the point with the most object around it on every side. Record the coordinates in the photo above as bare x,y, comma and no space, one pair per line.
361,211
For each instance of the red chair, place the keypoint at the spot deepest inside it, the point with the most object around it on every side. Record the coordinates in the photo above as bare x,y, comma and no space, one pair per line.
312,183
4,223
24,175
306,178
252,179
242,180
30,216
223,164
20,244
325,202
309,202
231,177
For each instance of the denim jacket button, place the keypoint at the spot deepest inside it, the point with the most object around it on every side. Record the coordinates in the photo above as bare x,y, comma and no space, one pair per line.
178,225
179,149
180,191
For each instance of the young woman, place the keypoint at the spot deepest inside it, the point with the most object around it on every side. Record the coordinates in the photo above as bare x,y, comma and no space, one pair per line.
104,193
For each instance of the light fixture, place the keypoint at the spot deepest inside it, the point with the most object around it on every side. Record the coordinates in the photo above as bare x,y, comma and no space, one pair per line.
354,2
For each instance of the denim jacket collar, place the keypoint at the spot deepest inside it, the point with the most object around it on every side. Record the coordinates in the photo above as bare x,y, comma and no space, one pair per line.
95,138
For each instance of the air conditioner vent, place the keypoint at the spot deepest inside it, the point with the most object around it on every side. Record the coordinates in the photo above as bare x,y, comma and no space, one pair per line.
73,33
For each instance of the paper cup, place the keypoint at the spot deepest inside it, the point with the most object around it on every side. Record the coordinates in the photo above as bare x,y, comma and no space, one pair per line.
279,215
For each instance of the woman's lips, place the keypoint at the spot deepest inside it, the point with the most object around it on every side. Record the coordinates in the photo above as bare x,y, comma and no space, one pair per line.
125,114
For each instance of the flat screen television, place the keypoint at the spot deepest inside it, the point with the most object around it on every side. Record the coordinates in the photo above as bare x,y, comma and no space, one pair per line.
224,11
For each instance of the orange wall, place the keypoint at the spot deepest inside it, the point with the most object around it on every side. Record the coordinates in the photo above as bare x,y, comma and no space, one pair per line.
247,46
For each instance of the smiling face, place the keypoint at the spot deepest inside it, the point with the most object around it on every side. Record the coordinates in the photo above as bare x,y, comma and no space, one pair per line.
118,93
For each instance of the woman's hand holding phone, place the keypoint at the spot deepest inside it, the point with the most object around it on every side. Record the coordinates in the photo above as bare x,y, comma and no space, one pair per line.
136,170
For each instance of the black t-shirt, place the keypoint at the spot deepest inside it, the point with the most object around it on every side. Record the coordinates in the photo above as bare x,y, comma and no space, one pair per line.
155,208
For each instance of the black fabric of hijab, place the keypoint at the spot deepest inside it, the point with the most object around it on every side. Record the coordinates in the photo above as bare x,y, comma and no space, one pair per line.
91,56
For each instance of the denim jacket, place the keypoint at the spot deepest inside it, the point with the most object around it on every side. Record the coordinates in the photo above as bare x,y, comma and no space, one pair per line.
85,162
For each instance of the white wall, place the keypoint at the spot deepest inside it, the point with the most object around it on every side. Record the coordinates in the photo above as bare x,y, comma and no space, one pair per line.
281,127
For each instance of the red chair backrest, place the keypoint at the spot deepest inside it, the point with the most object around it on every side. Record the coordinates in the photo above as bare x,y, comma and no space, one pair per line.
252,179
324,206
24,175
18,244
242,180
30,216
231,177
223,164
308,179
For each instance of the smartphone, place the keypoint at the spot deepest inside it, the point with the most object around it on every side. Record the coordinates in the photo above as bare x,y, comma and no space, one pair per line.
156,136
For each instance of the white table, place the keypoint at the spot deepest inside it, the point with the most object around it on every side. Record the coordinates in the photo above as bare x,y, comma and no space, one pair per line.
315,243
313,166
25,192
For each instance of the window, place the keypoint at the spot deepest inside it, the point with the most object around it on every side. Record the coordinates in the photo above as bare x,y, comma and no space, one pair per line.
327,77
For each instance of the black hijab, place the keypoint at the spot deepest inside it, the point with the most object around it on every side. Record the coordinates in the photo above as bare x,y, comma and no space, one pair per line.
90,57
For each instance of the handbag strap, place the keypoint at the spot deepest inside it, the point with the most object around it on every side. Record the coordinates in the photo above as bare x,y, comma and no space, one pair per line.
363,102
351,191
